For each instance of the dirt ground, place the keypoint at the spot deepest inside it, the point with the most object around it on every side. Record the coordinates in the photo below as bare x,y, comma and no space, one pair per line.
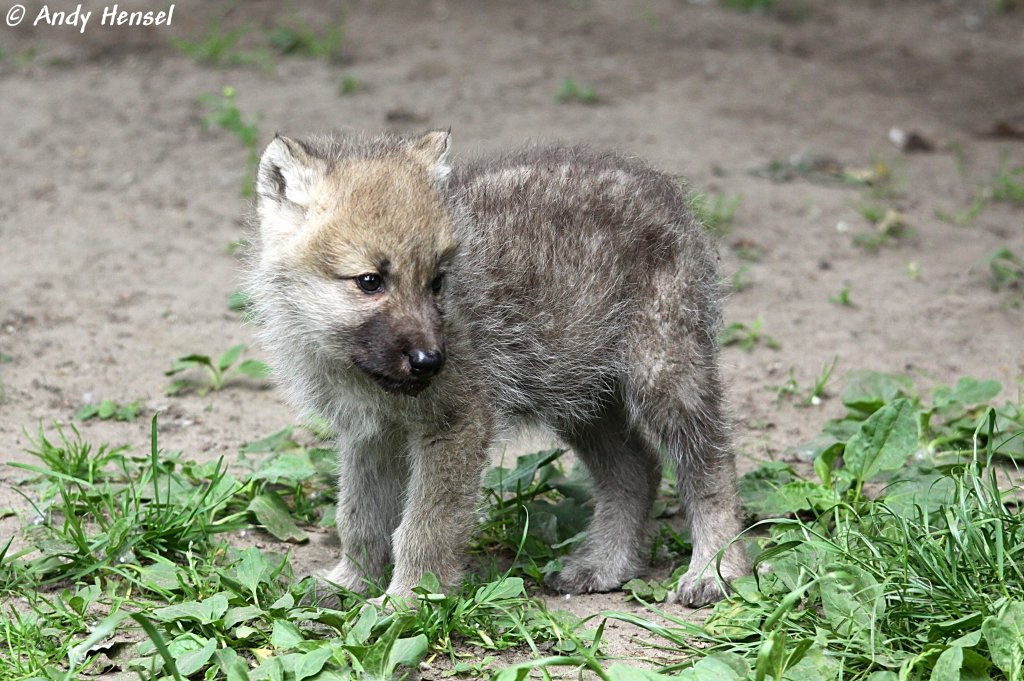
117,206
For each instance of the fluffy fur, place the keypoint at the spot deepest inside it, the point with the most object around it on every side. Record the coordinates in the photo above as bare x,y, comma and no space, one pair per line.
563,286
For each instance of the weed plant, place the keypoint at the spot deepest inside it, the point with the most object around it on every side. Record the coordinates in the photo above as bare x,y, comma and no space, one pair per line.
902,558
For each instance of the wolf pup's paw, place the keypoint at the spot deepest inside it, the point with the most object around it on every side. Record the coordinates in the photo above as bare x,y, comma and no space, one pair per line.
391,602
700,584
330,585
581,578
697,590
322,595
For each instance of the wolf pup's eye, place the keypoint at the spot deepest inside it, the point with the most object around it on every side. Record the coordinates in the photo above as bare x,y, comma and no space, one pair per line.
370,282
438,283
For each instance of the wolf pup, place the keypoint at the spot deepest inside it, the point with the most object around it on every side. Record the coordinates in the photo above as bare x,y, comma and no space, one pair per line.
426,311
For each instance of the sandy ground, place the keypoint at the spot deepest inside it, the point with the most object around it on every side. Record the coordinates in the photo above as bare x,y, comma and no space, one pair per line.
117,206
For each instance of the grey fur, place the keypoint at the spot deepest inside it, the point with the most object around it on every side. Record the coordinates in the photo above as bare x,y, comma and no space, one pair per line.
583,296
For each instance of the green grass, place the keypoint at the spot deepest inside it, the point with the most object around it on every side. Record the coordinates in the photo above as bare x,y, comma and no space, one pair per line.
748,336
842,299
900,556
923,579
350,85
572,92
810,397
1006,270
204,374
296,37
748,5
219,46
890,226
740,279
1008,183
144,537
1005,185
223,113
714,211
248,46
107,410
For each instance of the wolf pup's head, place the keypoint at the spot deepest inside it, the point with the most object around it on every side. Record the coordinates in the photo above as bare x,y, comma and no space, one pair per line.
355,238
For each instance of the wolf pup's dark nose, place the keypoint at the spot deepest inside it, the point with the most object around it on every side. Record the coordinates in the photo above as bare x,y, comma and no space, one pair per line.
425,363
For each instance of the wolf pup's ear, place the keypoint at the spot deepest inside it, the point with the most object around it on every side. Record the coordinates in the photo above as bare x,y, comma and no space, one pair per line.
432,150
287,172
285,181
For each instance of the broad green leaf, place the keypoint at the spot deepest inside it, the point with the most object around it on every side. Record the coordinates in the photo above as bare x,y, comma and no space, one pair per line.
254,368
504,479
814,665
230,356
344,673
1009,444
128,412
757,485
510,587
796,496
868,391
825,463
231,665
285,635
241,614
251,568
288,467
272,513
106,410
360,633
86,412
285,602
771,655
428,584
206,611
191,661
968,392
648,591
188,362
916,487
244,631
378,654
852,601
1005,637
178,386
278,667
162,575
407,652
947,667
239,301
717,667
884,441
620,672
100,632
313,662
275,442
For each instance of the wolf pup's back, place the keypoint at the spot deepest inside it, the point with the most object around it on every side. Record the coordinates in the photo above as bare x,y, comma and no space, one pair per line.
424,311
566,246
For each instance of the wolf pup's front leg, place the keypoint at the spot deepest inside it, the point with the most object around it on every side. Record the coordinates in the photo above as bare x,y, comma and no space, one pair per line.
371,485
446,466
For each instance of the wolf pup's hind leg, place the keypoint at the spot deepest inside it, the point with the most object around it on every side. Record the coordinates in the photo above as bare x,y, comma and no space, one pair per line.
675,396
625,472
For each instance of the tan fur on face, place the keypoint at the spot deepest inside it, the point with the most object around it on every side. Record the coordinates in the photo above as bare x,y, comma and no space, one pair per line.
377,215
